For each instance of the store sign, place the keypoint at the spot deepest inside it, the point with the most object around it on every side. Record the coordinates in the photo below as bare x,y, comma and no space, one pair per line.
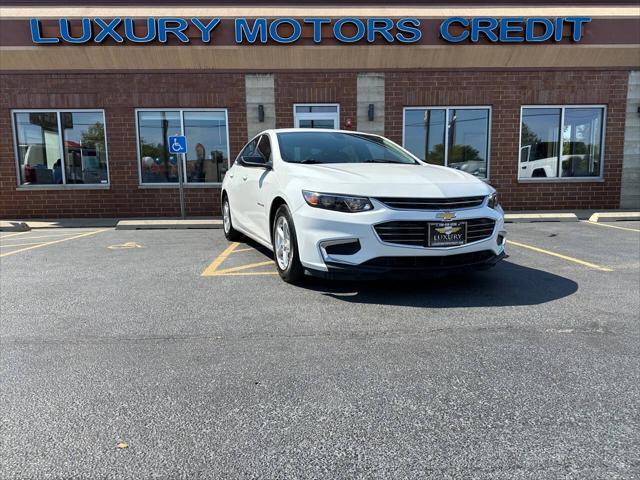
289,30
511,30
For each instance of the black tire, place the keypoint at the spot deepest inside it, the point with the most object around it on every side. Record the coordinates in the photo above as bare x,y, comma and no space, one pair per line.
294,272
230,233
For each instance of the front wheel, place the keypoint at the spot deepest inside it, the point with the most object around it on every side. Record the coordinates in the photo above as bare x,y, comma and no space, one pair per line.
285,246
230,233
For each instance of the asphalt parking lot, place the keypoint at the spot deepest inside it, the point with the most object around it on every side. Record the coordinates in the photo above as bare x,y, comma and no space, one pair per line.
174,354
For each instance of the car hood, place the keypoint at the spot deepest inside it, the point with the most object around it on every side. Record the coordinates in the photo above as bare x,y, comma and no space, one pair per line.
388,180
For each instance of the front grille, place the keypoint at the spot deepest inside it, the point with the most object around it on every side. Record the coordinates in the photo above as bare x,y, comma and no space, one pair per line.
423,263
415,232
479,229
431,203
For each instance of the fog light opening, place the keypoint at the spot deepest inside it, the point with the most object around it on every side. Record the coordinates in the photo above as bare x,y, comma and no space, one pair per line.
348,246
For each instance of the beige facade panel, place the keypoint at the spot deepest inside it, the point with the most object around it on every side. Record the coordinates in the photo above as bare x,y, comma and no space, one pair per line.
271,58
630,192
330,11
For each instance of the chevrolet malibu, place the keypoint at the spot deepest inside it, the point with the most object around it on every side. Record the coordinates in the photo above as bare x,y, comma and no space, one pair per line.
337,203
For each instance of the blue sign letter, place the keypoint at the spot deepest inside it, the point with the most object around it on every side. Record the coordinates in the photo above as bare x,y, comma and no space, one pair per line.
507,26
108,30
530,34
295,35
164,29
129,31
577,26
243,30
486,25
35,33
206,29
337,30
374,27
66,35
415,32
444,29
558,32
317,27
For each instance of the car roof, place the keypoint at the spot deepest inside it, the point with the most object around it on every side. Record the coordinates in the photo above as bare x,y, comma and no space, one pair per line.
316,130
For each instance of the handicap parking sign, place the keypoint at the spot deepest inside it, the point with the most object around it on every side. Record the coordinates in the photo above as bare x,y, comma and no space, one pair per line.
178,144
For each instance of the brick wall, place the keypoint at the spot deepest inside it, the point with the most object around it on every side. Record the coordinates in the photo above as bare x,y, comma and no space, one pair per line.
506,92
120,94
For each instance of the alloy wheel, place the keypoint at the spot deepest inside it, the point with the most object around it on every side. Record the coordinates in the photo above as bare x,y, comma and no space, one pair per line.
226,216
283,243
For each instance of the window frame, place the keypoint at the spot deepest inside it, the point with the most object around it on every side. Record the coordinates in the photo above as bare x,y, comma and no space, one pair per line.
560,178
64,185
265,137
316,116
181,112
447,109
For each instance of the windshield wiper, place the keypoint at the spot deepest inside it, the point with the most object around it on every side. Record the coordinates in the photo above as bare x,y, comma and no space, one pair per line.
310,161
382,160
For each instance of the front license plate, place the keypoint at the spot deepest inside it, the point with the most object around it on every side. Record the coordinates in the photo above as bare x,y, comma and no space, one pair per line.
447,234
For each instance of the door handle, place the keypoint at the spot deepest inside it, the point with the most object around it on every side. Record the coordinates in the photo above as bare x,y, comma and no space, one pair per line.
244,178
230,175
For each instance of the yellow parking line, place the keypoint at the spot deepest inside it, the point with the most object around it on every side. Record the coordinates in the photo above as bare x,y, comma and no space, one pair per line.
558,255
248,274
18,244
243,250
242,267
68,234
13,234
219,259
45,244
611,226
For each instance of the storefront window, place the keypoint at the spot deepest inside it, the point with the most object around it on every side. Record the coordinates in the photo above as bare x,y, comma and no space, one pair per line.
207,157
154,128
561,142
455,137
582,142
61,147
85,155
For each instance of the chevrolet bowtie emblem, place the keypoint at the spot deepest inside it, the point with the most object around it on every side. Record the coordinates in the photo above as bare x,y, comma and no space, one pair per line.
446,216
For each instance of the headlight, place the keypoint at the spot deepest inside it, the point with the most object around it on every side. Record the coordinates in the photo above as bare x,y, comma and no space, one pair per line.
340,203
493,200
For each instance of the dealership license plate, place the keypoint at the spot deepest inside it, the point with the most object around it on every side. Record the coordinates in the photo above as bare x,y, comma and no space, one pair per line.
447,234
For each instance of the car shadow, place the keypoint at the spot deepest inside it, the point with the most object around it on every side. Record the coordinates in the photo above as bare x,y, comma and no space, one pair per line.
506,284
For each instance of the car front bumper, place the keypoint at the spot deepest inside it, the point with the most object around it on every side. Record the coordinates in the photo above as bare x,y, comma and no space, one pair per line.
398,268
316,228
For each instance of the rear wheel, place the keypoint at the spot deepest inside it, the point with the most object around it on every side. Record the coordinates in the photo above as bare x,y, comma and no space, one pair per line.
230,233
285,246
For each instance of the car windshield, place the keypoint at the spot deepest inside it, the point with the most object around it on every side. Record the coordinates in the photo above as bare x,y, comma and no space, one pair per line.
339,147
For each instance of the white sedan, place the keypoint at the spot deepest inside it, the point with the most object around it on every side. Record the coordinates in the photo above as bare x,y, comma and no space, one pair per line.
337,203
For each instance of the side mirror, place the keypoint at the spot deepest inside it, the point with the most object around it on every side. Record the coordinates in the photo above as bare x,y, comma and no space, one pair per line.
255,161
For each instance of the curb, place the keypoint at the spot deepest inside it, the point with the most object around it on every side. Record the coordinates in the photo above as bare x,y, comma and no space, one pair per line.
539,217
614,216
14,227
168,224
